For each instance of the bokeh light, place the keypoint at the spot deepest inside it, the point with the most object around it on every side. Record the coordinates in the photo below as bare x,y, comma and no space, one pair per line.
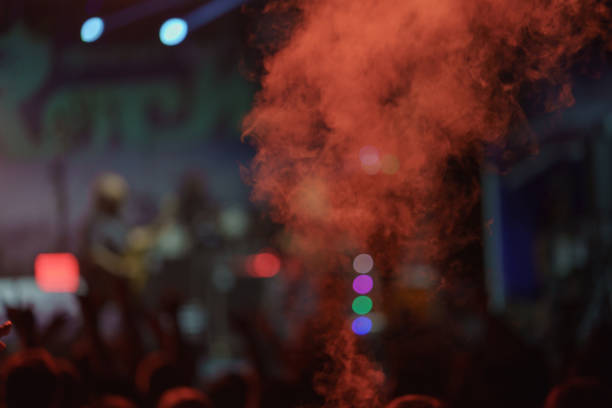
363,284
233,222
110,318
362,305
223,278
192,319
390,164
263,265
363,263
57,272
92,29
370,159
362,325
173,31
379,322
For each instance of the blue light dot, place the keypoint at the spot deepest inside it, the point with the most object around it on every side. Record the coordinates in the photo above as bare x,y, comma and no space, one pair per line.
173,31
362,325
92,29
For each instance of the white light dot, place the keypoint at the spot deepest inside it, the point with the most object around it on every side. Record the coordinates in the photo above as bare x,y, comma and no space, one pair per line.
363,263
173,31
234,222
92,29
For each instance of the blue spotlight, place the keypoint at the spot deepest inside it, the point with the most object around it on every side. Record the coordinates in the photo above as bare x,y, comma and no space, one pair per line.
92,29
173,31
211,10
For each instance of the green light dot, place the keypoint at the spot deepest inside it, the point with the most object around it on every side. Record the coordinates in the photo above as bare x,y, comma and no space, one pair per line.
362,305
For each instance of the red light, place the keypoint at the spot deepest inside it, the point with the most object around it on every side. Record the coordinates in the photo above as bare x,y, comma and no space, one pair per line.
263,265
57,272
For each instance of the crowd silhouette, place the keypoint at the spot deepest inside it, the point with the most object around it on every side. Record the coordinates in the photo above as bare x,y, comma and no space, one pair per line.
448,351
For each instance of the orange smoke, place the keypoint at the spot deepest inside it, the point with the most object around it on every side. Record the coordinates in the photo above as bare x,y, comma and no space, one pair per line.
363,107
418,81
351,379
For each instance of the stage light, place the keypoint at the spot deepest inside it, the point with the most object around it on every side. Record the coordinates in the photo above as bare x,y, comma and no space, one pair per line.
173,31
92,29
362,305
362,325
363,263
57,272
211,10
263,265
363,284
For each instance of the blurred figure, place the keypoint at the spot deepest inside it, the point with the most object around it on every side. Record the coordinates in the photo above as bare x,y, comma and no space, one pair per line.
579,393
30,378
185,397
184,239
415,401
111,267
105,235
196,209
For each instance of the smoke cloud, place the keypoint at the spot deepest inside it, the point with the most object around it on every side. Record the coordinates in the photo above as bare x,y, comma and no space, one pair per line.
366,103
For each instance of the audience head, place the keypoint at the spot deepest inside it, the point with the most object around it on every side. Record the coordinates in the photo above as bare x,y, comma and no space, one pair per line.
231,390
415,401
109,193
113,401
184,397
579,393
30,378
156,374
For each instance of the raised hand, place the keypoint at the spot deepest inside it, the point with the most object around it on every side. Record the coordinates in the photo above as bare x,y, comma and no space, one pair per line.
5,329
25,324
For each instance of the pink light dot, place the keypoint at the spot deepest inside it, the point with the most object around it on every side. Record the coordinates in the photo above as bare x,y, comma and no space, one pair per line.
363,284
369,156
370,159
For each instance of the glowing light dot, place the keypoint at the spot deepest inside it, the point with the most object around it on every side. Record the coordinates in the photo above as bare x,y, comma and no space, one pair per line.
362,325
234,222
370,159
57,272
363,263
390,164
92,29
363,284
368,155
362,305
263,265
173,31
